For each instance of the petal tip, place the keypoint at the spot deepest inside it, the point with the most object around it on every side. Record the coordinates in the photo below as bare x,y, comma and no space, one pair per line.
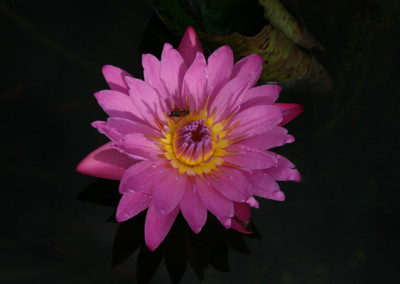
295,176
279,196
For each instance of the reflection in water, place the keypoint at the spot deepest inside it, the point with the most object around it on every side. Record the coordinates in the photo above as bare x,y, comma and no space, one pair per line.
181,246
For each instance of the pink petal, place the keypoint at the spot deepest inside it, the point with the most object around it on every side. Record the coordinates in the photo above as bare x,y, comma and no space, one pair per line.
140,176
115,128
195,82
193,209
172,71
116,104
137,146
219,205
263,185
102,127
269,92
253,202
251,159
168,191
132,203
249,65
233,184
255,120
190,46
156,228
125,127
115,78
275,137
228,96
289,111
148,103
151,72
285,170
254,102
220,65
105,162
242,217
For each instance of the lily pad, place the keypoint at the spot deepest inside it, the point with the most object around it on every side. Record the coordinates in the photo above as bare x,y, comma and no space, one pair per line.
284,62
257,26
276,13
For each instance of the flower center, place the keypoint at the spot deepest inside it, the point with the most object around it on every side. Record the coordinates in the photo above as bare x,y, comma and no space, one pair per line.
193,142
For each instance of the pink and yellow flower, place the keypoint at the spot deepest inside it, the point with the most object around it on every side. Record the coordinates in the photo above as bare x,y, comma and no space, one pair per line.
193,136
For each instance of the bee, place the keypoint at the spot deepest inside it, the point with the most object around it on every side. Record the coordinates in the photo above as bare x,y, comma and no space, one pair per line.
179,112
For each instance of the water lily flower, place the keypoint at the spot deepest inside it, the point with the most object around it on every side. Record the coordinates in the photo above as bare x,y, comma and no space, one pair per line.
193,136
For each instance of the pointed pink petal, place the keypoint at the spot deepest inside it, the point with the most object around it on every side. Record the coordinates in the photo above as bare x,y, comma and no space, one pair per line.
219,205
172,71
115,78
285,170
168,191
250,159
263,185
137,146
233,184
115,128
249,65
189,46
156,228
105,162
289,111
116,104
255,120
146,100
220,65
193,209
255,101
125,127
275,137
269,92
151,72
253,202
132,203
195,82
228,96
102,127
140,176
242,214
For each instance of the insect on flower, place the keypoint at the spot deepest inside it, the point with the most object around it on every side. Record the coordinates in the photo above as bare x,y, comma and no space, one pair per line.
179,112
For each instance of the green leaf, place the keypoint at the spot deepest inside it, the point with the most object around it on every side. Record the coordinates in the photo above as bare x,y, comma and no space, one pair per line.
248,28
285,21
284,62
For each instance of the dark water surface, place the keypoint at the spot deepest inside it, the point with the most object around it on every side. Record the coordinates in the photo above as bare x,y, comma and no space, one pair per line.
337,226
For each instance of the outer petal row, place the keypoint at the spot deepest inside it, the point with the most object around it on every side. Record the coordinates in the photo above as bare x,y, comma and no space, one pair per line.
105,162
115,78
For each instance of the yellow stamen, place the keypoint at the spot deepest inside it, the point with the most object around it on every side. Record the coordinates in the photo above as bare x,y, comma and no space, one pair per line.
195,151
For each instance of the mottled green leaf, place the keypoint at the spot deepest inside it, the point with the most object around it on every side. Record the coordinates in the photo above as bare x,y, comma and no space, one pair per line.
258,26
284,62
282,19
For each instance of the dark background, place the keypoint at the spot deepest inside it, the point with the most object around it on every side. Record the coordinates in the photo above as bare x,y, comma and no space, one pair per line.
339,225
